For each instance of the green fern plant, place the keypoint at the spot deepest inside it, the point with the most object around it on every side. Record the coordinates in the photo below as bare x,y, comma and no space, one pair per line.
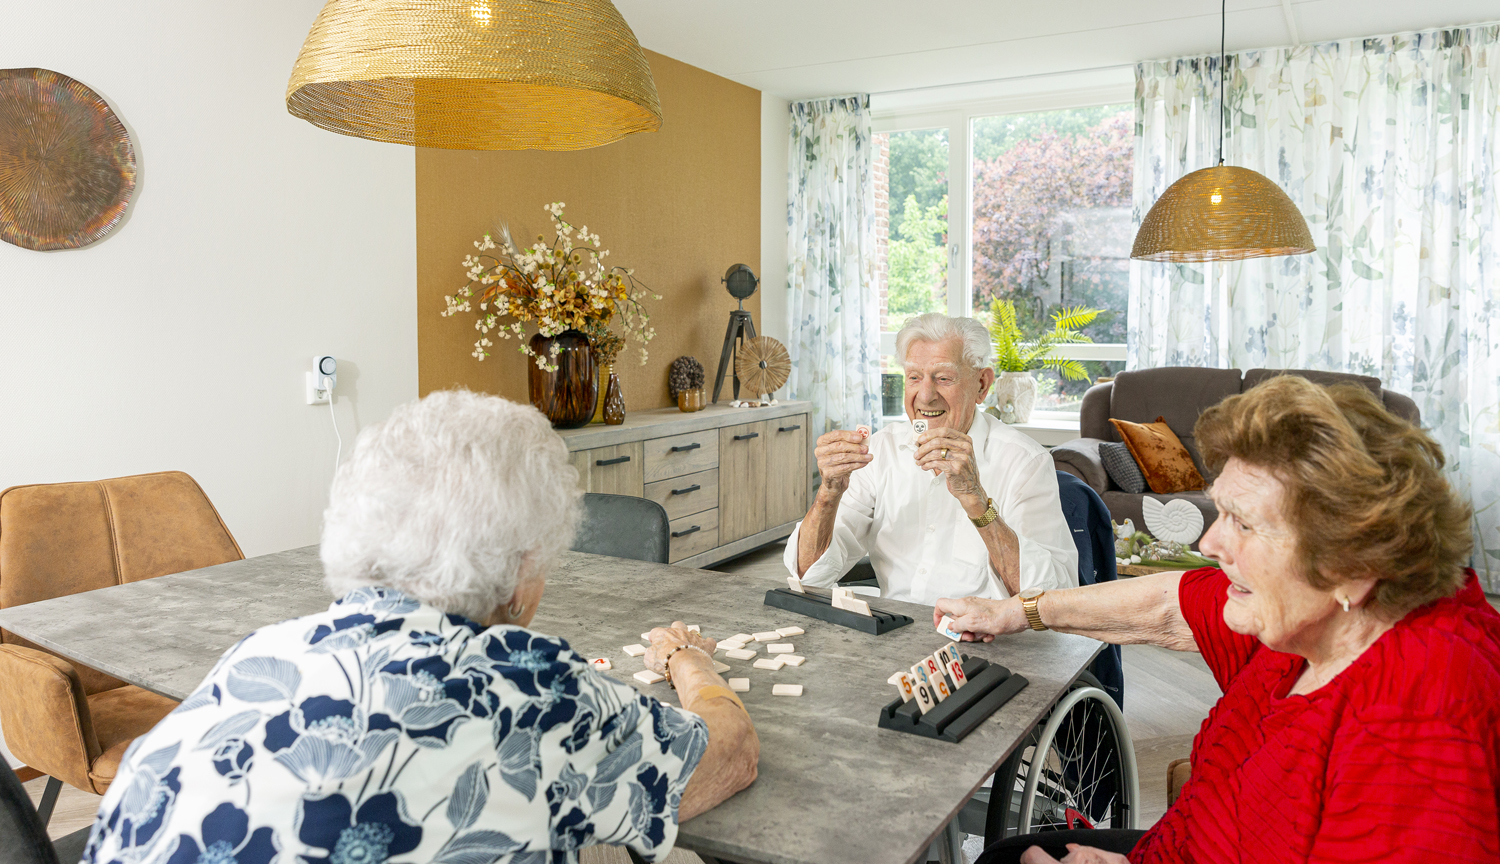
1015,353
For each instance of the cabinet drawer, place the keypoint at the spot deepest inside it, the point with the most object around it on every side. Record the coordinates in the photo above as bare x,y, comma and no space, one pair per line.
616,470
694,534
786,470
681,454
684,496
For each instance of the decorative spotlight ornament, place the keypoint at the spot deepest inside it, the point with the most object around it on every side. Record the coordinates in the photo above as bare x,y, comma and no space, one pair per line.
741,283
1222,213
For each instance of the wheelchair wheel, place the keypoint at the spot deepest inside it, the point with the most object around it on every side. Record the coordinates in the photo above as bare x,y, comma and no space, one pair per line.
1081,759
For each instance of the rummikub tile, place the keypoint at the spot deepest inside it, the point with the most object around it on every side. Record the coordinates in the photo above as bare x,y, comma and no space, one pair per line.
740,654
786,689
721,668
767,636
772,663
790,631
602,664
739,685
646,676
635,650
945,627
795,584
793,659
780,648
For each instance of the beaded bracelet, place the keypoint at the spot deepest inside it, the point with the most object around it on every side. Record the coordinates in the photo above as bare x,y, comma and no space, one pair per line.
666,663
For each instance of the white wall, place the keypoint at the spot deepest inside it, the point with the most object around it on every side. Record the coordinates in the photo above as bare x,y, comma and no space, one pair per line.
775,129
254,241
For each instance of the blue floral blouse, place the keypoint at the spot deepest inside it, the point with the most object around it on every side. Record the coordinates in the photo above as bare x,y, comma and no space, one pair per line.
384,729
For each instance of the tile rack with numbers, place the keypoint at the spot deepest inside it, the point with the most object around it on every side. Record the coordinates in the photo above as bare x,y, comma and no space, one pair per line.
990,686
820,607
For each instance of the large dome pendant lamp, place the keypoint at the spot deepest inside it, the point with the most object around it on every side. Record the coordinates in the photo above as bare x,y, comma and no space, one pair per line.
475,74
1222,213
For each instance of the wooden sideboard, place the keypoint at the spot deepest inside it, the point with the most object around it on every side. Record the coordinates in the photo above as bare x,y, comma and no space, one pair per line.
731,479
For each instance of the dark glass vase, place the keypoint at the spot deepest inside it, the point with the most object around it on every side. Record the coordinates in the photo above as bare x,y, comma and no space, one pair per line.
614,402
568,395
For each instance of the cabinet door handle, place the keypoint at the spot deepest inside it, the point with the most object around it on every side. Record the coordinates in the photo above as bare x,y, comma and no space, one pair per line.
747,437
790,428
687,532
685,449
615,461
693,488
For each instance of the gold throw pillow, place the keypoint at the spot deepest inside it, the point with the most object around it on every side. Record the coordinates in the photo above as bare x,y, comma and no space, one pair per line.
1166,463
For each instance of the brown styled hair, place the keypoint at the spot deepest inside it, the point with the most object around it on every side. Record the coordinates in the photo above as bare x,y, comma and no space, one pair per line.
1364,489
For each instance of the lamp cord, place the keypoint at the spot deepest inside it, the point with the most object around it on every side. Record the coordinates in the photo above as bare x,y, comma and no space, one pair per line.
1223,19
338,455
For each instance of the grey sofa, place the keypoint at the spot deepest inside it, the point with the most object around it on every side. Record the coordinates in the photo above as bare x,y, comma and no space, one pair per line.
1178,394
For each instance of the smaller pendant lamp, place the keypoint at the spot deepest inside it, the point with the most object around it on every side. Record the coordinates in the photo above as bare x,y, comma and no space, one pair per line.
1221,213
475,74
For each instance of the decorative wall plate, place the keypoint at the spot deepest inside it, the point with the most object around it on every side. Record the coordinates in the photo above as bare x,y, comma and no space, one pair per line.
67,169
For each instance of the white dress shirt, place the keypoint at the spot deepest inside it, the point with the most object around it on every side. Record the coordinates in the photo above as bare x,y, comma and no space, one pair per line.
918,536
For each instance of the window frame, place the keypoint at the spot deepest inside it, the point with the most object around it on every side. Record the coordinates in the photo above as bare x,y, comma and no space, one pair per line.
958,118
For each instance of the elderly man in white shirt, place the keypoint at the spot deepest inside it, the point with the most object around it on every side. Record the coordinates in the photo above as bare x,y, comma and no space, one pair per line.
968,508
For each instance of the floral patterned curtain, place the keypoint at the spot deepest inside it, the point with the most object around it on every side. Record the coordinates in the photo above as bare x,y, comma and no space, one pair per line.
1390,147
832,310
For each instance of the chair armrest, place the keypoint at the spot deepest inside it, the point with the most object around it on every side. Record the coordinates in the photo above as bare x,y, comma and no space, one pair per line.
45,715
1080,457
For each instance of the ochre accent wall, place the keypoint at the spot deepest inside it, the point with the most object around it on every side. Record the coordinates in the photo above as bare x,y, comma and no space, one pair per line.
679,205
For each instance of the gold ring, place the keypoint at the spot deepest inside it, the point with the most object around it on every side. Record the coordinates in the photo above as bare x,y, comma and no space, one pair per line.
945,452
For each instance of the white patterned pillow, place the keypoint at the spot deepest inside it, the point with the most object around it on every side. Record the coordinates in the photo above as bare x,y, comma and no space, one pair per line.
1121,467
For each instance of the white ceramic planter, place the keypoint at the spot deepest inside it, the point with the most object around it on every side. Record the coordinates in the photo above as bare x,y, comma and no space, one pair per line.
1015,396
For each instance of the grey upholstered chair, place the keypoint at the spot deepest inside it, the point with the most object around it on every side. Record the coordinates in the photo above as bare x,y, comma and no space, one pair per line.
623,526
23,833
1178,394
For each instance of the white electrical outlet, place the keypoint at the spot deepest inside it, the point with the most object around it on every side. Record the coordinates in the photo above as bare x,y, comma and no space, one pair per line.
315,395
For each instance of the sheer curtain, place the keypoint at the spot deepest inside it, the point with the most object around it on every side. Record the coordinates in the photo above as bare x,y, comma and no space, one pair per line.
1390,147
832,310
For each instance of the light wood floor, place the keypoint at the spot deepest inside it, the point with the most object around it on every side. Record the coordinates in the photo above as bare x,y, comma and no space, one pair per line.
1167,696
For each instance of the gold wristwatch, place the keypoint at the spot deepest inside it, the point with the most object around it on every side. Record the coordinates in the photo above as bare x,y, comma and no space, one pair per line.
1028,603
987,517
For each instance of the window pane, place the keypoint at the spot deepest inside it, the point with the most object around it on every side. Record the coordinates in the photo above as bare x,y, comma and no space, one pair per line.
1056,393
911,224
1052,214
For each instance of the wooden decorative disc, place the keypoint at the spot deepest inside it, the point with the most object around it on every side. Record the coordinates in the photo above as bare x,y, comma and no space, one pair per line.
67,170
762,365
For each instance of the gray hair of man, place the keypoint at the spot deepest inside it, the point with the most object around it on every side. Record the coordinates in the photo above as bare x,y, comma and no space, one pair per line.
445,500
979,353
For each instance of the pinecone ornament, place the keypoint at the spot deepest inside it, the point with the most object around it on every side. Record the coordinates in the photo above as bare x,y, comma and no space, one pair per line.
686,374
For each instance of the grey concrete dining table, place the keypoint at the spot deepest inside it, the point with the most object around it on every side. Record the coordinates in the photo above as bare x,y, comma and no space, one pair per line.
832,786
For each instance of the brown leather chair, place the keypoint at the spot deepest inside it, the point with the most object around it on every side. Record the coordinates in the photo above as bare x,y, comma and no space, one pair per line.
62,719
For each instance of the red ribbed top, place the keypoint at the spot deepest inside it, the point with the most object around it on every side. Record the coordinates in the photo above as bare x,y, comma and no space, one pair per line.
1396,759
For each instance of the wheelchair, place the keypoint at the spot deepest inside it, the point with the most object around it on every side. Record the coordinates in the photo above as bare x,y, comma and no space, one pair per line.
1078,763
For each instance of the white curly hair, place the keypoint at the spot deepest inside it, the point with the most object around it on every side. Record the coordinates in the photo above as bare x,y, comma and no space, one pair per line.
979,353
444,499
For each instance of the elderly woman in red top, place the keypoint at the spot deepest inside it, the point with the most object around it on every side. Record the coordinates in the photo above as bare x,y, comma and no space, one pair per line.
1359,660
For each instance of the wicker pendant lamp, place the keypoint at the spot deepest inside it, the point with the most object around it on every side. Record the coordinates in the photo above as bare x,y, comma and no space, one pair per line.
1222,213
475,74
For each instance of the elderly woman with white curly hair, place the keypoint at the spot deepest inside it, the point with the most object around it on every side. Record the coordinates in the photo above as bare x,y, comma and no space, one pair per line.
419,718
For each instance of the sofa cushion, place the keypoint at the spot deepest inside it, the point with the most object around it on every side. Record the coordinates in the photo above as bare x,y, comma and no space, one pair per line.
1178,394
1256,376
1167,465
1121,467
